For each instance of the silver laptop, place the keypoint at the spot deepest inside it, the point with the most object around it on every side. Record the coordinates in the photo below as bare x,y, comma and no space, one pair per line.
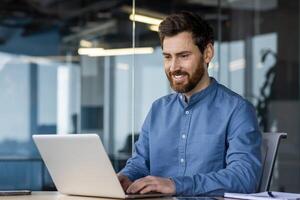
79,165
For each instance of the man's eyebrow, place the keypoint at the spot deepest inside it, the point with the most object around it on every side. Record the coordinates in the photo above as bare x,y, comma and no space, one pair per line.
183,52
164,53
179,53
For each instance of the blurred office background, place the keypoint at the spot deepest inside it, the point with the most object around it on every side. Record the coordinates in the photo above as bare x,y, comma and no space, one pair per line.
53,82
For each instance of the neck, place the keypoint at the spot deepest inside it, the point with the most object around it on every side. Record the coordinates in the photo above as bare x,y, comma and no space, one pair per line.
203,83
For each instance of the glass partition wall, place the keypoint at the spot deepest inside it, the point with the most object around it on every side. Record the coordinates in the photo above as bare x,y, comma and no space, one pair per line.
97,66
256,56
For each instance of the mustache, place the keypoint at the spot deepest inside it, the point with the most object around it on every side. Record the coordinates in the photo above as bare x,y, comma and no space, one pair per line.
178,73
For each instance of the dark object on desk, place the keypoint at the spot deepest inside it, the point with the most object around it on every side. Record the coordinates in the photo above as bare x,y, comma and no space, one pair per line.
14,192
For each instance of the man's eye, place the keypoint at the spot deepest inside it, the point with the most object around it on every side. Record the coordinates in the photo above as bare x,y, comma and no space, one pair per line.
184,55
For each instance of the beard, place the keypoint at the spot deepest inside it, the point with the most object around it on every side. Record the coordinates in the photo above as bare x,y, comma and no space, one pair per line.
192,79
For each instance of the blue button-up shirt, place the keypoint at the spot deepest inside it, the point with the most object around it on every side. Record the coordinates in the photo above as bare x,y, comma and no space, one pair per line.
208,146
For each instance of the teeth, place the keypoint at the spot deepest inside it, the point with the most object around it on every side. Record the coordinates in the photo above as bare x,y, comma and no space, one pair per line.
178,76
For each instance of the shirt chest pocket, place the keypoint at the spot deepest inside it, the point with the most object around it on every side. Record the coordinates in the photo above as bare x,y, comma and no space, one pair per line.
206,151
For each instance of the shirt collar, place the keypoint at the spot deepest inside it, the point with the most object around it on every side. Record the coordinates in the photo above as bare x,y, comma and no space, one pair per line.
200,95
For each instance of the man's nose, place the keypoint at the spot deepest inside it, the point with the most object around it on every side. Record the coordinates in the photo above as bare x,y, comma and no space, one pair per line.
174,65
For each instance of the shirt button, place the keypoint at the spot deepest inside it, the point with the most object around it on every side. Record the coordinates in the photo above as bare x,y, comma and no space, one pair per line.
187,112
183,136
181,160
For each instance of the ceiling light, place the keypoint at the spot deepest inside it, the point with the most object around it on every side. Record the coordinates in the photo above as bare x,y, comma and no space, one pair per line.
94,52
85,43
153,28
87,51
145,19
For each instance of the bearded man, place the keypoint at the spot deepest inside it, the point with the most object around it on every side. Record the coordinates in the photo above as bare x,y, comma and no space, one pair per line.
202,140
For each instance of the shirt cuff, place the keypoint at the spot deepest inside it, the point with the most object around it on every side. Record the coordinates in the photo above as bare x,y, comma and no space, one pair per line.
179,185
126,173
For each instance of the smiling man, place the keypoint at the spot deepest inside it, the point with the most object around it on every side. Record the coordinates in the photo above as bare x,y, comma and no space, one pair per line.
202,140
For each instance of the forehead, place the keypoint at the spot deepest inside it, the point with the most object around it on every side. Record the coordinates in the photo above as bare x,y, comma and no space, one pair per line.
178,43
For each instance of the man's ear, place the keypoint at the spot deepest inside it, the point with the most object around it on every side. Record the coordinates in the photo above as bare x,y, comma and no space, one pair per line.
208,53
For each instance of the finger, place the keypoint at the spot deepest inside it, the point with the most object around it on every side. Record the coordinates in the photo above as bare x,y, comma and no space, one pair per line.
150,178
149,188
132,189
126,184
136,186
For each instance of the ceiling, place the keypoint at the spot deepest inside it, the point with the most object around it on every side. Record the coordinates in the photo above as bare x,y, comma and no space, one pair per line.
104,22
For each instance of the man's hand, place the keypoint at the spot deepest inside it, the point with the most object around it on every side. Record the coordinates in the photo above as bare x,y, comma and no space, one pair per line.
152,184
125,181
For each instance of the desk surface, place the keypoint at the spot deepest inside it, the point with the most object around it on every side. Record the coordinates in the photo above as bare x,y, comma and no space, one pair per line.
58,196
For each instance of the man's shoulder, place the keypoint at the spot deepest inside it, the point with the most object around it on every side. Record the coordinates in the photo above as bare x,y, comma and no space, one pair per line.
232,104
164,100
227,95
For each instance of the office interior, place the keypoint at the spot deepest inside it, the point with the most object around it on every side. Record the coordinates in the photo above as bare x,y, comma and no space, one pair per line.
94,66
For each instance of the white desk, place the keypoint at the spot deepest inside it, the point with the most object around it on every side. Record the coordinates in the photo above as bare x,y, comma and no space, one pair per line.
58,196
48,196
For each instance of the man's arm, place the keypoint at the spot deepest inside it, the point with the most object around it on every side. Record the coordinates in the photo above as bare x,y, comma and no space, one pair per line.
135,178
138,165
243,164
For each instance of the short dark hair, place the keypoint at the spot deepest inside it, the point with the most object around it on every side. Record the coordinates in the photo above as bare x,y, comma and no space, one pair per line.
185,21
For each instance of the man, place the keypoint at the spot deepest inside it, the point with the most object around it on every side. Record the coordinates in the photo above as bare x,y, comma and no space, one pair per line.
202,140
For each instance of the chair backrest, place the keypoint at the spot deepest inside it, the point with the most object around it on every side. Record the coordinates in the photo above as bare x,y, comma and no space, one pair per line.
270,143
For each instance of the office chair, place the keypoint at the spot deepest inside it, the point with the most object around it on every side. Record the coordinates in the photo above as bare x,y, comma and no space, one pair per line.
270,144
